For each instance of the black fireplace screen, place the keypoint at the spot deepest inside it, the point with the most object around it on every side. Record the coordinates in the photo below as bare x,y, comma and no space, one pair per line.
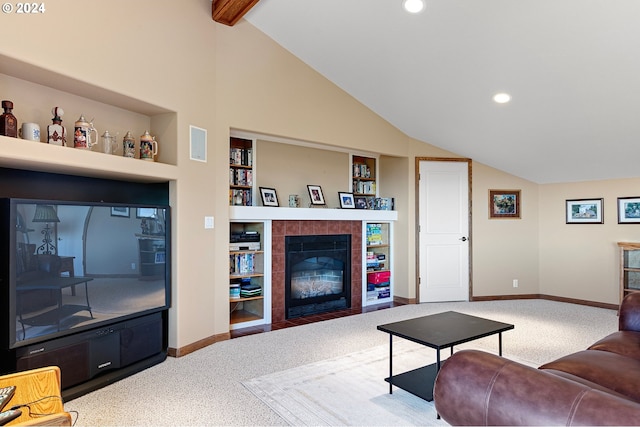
317,274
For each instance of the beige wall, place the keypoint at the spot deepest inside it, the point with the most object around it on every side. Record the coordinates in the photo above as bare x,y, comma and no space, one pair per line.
290,168
581,260
171,54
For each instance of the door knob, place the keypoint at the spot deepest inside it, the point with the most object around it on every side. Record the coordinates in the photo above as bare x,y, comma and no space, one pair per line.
464,239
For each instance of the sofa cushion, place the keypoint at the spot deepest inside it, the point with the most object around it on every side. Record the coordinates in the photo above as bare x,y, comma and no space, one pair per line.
587,383
626,343
610,370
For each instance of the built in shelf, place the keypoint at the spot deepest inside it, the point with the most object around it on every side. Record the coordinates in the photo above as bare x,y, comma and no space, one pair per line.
327,214
42,157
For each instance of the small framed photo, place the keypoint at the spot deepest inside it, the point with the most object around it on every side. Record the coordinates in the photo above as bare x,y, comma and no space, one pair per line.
585,211
269,196
346,200
360,202
120,211
315,193
628,210
504,204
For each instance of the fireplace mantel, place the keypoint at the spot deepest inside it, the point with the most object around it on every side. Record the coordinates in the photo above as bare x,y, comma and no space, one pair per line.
309,214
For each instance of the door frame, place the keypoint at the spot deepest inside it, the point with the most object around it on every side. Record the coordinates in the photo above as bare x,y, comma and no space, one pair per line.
417,217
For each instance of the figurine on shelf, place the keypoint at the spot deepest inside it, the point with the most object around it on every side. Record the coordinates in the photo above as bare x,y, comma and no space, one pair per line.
56,133
8,122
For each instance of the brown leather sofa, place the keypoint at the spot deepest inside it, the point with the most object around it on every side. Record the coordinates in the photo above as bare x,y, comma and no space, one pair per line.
597,386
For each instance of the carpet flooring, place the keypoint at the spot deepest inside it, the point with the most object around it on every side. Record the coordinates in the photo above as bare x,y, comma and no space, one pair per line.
207,387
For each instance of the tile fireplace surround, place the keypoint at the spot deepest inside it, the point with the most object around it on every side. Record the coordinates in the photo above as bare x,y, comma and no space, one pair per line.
280,229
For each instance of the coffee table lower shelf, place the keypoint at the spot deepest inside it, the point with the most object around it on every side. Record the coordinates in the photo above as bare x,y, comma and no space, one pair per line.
418,382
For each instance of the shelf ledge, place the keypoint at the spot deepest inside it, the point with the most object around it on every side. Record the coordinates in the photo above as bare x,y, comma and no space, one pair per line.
327,214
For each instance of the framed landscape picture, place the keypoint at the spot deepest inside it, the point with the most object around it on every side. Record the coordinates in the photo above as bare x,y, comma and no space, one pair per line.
584,211
504,204
628,210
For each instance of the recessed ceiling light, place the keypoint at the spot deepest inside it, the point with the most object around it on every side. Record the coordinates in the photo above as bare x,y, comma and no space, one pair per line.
413,6
502,98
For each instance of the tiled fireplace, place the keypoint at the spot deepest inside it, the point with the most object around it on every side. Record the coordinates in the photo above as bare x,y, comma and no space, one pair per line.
282,228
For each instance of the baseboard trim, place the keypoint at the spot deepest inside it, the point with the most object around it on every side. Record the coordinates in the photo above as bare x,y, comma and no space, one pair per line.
548,297
403,300
183,351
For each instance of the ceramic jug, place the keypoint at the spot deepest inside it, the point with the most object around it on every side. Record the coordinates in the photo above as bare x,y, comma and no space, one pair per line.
82,134
148,147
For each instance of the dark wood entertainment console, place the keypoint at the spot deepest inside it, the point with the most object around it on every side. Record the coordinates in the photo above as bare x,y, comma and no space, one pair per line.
92,359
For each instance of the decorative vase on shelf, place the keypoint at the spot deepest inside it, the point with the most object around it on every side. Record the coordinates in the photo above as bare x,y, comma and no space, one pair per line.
8,122
148,147
56,133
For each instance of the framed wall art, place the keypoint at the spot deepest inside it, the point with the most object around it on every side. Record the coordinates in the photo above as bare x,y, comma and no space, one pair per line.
346,200
269,196
315,193
628,210
504,204
585,211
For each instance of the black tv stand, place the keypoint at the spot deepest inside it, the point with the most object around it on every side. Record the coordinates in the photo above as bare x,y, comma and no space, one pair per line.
95,358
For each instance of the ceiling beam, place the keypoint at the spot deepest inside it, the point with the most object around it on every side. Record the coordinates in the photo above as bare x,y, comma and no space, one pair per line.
228,12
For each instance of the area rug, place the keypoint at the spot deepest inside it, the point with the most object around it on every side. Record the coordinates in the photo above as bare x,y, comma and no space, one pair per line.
349,390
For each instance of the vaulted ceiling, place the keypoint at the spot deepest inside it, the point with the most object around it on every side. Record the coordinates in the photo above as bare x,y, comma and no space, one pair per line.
571,66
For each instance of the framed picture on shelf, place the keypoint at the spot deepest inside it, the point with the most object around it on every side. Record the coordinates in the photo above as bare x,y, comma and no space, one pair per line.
504,204
346,200
315,193
584,211
628,210
269,196
360,202
120,211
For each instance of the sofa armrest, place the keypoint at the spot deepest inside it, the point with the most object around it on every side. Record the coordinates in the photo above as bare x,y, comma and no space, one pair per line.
479,388
630,313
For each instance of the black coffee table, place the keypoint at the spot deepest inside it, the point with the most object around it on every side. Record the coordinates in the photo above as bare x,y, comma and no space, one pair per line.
437,331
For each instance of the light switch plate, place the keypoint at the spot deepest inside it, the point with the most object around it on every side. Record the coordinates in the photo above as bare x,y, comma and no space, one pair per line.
208,222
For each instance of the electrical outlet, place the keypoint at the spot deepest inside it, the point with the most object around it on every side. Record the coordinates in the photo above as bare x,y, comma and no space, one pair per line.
515,283
133,265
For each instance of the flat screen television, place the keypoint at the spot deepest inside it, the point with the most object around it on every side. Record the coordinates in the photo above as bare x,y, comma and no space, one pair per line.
74,266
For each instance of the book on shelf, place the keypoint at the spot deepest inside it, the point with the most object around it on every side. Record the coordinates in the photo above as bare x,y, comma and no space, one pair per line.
234,291
374,234
243,263
248,289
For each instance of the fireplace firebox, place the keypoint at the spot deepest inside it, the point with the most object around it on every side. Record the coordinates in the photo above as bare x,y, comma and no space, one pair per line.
317,274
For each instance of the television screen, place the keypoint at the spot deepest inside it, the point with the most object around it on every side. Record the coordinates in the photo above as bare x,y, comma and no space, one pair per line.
76,266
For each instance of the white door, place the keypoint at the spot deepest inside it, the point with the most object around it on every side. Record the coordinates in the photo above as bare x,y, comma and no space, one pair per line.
444,219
